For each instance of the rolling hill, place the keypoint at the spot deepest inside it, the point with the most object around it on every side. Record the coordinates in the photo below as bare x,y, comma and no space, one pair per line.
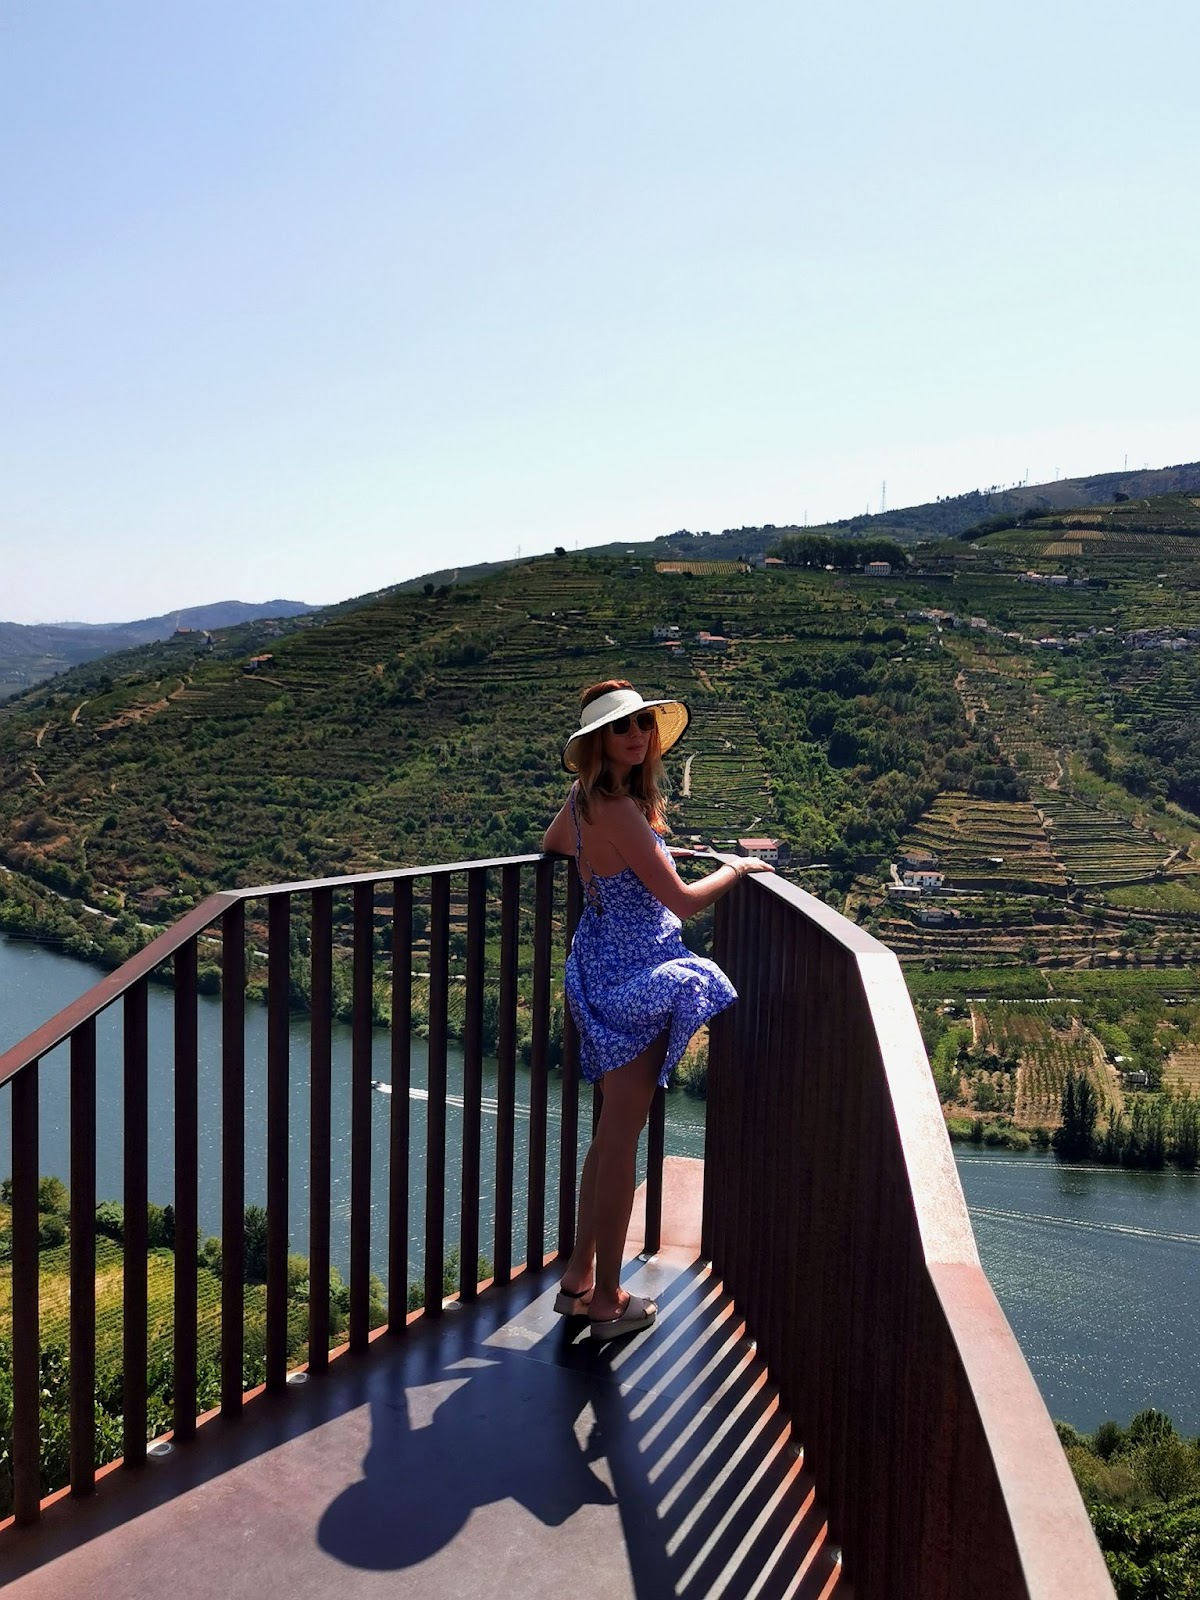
31,653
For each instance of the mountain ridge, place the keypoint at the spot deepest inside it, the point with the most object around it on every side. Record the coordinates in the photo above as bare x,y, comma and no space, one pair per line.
32,652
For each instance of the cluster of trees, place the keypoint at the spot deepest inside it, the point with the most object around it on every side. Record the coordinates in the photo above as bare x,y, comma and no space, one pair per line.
843,555
1000,524
862,742
1141,1486
1156,1129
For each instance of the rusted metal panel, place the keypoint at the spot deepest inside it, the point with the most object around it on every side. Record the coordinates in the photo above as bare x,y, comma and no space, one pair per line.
834,1215
1053,1537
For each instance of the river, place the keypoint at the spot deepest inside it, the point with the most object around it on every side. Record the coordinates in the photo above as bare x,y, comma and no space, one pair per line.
1097,1269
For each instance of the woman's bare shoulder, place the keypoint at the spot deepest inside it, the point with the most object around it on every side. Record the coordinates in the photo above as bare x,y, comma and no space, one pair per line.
616,811
625,824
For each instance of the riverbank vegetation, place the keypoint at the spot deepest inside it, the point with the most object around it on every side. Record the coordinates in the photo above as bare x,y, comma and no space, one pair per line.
1141,1486
54,1323
1110,1072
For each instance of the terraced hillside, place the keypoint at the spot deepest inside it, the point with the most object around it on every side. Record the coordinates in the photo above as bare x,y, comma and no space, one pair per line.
1099,849
985,844
841,716
1182,1072
1036,729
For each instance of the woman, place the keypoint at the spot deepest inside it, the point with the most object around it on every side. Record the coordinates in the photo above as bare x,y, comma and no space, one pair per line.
636,992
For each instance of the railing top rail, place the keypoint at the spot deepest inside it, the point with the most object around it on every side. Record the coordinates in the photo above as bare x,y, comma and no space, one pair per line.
437,869
848,934
114,984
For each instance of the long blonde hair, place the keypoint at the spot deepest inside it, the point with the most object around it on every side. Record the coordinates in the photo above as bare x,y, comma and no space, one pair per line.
646,784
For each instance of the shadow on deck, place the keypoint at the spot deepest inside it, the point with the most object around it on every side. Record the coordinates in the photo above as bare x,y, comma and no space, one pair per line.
492,1450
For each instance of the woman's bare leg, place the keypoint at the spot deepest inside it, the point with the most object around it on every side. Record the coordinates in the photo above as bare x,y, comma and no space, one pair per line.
579,1272
628,1092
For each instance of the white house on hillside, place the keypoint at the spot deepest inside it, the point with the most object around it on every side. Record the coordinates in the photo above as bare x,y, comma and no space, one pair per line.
773,850
922,878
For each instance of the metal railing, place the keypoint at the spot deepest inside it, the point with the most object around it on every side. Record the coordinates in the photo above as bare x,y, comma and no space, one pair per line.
176,951
834,1215
832,1208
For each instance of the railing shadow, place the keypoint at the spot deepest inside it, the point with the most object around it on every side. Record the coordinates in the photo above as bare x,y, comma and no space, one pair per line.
680,1431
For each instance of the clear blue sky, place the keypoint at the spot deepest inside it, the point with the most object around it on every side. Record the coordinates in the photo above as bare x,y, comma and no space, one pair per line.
303,299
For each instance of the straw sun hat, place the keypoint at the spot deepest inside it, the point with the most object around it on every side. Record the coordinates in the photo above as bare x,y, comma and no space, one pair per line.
673,718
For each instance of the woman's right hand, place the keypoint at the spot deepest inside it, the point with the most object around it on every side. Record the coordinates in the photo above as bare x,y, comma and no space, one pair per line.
743,864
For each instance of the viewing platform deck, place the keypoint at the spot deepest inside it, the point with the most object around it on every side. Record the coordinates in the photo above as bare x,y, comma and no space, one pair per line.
830,1404
496,1451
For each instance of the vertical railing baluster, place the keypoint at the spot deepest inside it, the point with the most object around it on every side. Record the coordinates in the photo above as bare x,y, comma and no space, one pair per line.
568,1147
26,1356
134,1330
83,1257
656,1143
278,1020
320,1088
187,1178
398,1162
468,1250
539,1066
360,1116
233,1155
506,1069
435,1119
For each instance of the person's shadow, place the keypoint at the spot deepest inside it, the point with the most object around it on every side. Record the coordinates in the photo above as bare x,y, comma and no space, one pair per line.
485,1426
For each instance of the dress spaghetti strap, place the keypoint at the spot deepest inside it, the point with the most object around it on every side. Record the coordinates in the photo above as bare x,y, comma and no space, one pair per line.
591,889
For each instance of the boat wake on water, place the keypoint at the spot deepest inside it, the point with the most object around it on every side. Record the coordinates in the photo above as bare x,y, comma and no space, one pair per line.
490,1107
1091,1227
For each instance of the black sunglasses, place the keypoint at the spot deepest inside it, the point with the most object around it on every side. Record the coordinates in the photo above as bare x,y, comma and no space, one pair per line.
645,721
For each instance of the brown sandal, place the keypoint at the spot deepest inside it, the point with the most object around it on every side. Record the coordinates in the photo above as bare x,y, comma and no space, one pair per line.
573,1305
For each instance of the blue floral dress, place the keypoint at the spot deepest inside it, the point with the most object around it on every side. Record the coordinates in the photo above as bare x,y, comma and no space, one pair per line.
629,975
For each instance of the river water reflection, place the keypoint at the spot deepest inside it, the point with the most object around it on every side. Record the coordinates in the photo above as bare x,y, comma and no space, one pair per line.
1098,1270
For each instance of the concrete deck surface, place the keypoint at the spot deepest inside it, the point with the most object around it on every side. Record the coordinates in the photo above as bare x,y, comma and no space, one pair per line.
492,1451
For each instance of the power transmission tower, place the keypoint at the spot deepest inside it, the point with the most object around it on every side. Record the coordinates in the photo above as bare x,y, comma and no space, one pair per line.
883,498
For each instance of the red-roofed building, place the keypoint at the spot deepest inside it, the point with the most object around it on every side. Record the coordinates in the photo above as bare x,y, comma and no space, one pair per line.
775,851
